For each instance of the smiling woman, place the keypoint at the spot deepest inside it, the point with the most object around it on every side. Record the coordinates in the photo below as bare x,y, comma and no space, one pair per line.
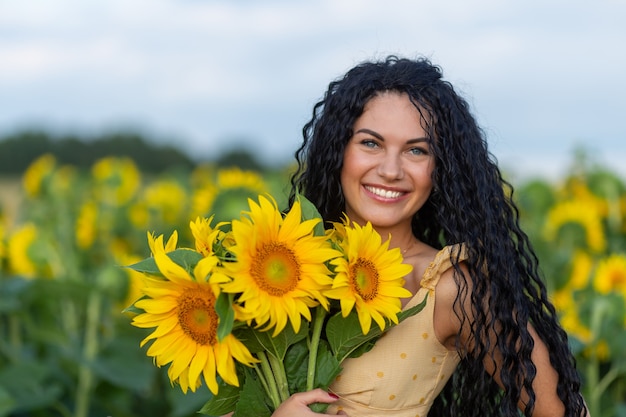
393,144
386,176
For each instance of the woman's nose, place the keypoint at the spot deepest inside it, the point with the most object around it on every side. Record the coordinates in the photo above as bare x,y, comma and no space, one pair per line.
390,167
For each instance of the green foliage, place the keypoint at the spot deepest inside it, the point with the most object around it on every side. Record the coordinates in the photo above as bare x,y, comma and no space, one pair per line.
66,346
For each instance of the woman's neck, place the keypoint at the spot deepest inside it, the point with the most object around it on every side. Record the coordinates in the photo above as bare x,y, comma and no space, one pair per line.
400,237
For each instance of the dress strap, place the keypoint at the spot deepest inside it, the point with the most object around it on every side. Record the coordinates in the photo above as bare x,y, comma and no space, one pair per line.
441,263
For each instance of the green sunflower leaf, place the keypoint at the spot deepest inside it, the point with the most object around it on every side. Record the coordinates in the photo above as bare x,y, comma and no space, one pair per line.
346,338
224,402
224,309
257,340
296,366
328,367
246,336
132,310
309,212
253,400
187,258
147,266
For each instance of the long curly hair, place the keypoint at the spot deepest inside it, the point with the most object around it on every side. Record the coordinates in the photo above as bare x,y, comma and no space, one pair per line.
472,204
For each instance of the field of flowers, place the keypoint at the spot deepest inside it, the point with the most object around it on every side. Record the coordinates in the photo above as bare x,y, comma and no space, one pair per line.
68,349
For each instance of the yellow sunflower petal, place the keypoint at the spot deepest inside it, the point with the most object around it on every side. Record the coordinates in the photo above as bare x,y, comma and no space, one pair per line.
170,269
365,319
198,362
225,365
172,242
210,371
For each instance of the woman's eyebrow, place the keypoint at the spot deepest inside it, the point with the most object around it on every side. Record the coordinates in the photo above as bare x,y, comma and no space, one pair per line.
379,137
370,132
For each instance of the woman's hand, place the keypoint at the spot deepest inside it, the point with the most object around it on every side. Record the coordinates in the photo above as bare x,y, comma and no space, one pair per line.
298,404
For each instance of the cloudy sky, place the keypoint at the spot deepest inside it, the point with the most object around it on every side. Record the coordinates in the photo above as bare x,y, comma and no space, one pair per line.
543,76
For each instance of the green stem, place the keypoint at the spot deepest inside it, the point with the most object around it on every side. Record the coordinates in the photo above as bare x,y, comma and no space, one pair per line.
14,333
11,341
68,316
270,379
281,377
259,373
318,322
90,350
592,378
607,380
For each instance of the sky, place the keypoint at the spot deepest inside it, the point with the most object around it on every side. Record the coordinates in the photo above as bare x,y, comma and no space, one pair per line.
543,77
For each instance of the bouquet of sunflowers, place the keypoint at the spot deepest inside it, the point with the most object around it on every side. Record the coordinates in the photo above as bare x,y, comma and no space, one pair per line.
267,305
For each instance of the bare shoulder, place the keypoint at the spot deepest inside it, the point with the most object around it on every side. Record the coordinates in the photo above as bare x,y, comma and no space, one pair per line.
446,322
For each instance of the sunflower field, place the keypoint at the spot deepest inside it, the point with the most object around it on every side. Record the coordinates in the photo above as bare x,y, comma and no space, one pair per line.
67,347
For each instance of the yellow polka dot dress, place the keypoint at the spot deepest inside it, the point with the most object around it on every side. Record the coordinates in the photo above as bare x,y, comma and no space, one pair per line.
407,368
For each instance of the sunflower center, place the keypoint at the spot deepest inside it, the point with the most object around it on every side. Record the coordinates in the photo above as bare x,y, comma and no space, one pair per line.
364,278
276,269
197,316
617,278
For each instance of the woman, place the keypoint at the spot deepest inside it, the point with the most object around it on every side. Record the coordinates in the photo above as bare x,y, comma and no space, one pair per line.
392,143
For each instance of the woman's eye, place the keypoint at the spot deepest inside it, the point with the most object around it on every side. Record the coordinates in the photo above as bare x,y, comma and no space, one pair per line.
418,151
369,143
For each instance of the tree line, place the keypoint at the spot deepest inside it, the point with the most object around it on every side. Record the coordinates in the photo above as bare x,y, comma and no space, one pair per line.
19,150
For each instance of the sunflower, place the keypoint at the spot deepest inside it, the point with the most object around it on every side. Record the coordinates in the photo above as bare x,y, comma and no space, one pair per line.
585,214
280,270
202,198
204,235
2,241
610,275
117,180
182,308
37,174
19,251
87,225
369,276
164,197
236,178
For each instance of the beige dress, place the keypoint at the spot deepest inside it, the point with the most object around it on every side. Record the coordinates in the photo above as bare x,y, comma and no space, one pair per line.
407,368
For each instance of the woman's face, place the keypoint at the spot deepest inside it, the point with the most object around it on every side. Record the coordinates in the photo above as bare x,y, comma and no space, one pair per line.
387,163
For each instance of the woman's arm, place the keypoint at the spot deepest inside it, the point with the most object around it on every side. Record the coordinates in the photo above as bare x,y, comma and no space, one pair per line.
547,401
448,326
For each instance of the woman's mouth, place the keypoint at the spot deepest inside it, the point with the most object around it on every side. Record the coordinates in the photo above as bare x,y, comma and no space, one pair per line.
381,192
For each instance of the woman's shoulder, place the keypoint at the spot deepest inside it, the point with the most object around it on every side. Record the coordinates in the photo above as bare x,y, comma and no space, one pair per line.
434,263
448,326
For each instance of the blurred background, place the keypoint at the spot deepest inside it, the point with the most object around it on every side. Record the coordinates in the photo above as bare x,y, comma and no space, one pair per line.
122,117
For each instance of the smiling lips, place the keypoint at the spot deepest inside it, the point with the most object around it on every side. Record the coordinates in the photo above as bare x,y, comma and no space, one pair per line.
383,193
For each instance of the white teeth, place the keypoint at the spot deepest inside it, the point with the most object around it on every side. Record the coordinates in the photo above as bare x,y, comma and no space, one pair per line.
384,193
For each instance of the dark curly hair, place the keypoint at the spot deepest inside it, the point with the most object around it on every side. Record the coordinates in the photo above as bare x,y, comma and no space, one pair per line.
471,204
